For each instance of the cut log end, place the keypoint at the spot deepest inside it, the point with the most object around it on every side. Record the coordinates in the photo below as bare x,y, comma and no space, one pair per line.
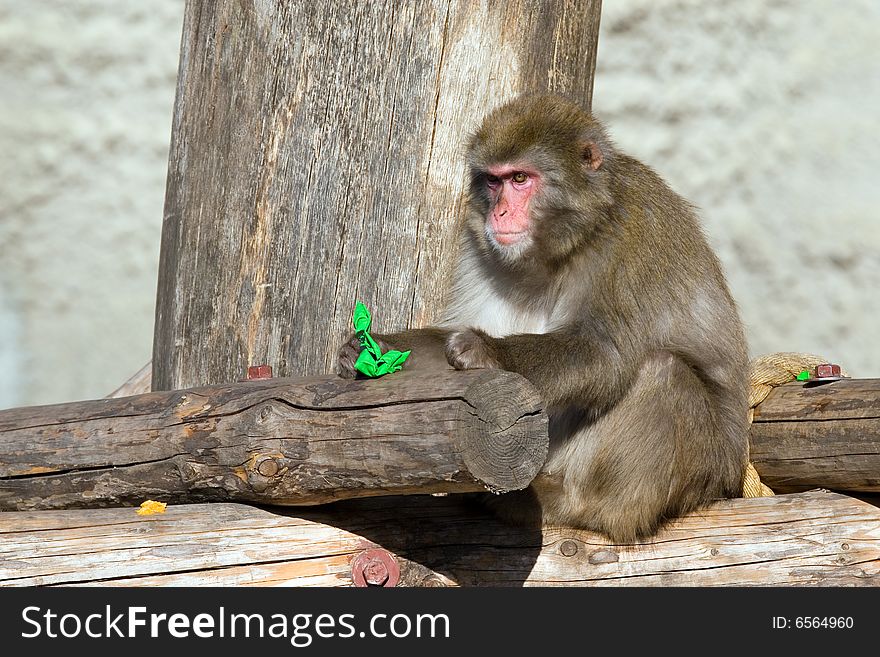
505,440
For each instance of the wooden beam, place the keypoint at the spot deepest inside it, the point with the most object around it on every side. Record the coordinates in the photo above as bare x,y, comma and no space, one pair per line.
278,441
807,539
139,383
316,159
825,436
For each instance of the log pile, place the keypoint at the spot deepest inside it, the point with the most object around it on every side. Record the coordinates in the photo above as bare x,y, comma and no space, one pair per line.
309,441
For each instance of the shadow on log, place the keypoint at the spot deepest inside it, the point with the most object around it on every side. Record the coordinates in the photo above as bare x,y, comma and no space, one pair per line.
815,538
278,441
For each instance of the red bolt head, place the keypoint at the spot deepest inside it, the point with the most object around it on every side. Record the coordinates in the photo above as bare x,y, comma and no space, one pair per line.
259,372
827,369
375,567
376,573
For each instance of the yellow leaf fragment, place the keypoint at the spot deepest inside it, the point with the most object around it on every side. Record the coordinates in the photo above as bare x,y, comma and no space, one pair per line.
150,507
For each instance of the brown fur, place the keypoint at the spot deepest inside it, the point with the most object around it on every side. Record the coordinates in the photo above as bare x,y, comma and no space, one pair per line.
617,310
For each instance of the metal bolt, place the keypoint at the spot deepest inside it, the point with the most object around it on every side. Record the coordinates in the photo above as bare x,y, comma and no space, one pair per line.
568,548
268,467
255,372
375,567
376,573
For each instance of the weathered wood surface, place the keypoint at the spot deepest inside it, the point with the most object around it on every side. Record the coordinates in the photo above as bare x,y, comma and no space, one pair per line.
825,436
139,383
316,159
278,441
815,538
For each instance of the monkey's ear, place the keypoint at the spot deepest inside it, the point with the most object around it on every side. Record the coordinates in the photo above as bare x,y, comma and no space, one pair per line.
592,154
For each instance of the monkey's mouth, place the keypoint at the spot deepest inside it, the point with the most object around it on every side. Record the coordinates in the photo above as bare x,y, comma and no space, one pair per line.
506,239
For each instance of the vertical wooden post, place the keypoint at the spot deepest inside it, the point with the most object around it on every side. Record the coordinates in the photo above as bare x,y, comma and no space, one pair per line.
316,159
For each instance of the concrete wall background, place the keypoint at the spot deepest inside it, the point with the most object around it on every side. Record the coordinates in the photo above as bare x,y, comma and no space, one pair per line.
765,113
87,89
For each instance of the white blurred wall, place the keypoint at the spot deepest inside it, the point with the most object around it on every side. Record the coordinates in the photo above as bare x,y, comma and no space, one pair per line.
86,95
765,113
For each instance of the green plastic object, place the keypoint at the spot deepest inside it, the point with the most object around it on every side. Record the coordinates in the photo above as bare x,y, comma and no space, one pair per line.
372,362
804,376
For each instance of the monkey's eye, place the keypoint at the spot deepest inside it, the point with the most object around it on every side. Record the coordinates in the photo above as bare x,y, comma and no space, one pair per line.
492,181
519,177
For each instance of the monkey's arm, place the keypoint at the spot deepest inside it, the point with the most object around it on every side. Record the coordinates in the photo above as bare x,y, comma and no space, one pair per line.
427,346
566,366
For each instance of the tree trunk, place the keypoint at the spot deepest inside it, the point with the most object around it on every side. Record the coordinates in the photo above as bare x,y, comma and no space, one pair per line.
278,441
316,160
808,539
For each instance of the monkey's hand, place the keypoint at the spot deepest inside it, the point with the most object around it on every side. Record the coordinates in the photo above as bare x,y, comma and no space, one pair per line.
471,349
349,352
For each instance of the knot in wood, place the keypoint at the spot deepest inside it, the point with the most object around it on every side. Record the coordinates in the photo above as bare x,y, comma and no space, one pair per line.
603,556
433,581
264,414
375,567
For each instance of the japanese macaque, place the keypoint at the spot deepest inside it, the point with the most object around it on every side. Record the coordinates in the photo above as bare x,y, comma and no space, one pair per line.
580,269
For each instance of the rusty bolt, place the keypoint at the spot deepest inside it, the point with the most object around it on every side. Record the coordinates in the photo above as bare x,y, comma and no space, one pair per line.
256,372
568,548
827,369
375,567
376,573
268,467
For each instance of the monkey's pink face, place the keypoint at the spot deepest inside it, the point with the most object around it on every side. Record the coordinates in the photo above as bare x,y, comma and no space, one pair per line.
511,188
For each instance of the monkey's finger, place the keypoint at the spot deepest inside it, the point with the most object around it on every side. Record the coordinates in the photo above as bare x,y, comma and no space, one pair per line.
345,368
348,354
457,349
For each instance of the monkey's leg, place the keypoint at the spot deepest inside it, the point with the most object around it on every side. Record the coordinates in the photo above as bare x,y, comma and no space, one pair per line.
427,346
659,453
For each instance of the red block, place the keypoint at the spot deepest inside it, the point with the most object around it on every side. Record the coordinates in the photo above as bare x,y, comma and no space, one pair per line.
827,369
259,372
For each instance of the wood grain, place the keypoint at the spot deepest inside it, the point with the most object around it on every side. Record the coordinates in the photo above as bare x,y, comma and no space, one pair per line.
825,436
316,159
278,441
807,539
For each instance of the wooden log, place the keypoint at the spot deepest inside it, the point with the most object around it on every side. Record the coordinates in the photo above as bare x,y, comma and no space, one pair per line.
279,441
316,159
825,436
816,538
139,383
